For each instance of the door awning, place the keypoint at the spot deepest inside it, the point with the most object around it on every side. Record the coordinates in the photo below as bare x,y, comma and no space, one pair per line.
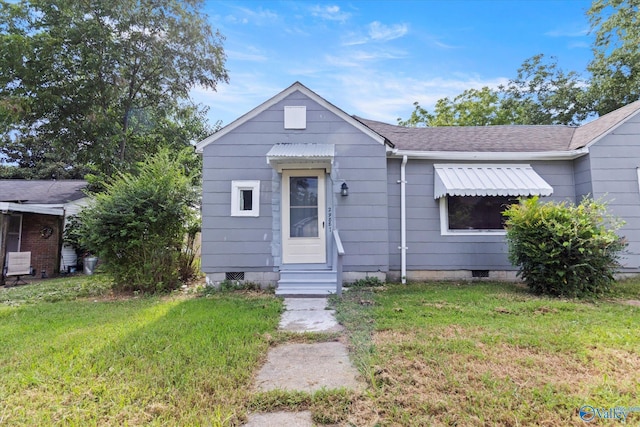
488,180
301,156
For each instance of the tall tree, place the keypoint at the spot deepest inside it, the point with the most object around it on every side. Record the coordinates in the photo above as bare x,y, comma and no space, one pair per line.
616,63
540,94
95,85
544,94
472,107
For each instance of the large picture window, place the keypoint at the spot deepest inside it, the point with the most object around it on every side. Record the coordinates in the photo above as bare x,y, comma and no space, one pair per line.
474,214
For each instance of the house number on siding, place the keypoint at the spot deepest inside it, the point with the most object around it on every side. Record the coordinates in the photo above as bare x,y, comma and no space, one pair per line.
329,220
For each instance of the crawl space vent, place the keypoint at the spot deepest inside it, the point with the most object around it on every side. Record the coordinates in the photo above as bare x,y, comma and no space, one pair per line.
234,275
479,273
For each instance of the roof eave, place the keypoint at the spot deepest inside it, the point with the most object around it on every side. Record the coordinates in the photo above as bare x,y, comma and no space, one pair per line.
6,207
490,155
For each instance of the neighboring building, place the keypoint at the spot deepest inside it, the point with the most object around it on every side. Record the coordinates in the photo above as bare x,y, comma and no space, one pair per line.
32,219
422,203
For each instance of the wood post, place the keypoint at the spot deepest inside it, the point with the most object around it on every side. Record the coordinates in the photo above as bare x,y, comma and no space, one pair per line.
4,232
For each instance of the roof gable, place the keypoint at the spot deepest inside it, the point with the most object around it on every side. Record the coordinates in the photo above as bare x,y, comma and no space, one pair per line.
41,191
296,87
592,132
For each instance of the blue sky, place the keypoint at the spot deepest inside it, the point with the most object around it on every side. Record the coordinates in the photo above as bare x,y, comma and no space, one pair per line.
375,58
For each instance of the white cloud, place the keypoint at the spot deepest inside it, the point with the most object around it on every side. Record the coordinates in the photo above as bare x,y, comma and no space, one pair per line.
376,32
232,19
358,58
353,39
251,54
381,32
244,15
364,91
331,13
230,101
386,97
568,32
579,45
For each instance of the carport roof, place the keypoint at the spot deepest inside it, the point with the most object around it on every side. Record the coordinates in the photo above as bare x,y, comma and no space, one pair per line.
41,191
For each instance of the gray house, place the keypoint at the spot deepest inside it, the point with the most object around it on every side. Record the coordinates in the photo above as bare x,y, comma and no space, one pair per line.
297,193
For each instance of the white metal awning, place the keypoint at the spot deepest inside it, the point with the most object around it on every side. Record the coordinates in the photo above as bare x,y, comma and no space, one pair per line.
301,156
6,207
488,180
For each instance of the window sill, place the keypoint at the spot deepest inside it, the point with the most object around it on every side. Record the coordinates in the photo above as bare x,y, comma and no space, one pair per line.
473,232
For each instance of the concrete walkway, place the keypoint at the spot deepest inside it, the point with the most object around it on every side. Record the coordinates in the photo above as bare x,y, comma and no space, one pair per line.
304,367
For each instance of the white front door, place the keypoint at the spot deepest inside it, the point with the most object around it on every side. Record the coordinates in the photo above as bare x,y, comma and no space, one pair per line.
303,216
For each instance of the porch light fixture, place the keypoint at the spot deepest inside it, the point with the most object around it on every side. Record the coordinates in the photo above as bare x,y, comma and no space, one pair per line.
344,189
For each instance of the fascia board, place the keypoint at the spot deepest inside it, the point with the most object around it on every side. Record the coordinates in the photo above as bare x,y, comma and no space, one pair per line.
491,156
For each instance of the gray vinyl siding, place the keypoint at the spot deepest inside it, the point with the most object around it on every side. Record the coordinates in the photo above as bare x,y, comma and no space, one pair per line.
582,177
427,248
254,244
614,162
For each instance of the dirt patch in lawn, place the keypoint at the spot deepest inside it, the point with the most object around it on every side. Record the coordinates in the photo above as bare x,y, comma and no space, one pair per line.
505,385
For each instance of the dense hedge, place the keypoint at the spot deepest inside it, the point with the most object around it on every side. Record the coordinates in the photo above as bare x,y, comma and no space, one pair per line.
564,249
138,225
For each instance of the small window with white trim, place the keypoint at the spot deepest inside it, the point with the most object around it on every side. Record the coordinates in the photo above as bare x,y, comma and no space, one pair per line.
474,214
245,198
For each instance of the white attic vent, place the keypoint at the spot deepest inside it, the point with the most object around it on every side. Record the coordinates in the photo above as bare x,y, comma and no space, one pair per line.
295,117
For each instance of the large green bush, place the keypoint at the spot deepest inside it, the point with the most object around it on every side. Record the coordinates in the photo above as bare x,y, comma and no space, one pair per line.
564,249
137,226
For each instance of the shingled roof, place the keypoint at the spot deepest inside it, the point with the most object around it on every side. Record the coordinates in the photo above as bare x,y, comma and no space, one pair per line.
41,191
512,138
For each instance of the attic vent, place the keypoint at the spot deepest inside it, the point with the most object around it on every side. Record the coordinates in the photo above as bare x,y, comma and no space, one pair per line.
479,273
295,117
234,275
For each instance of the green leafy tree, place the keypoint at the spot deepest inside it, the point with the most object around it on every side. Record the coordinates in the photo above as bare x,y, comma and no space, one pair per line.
94,85
563,249
138,225
544,94
473,107
615,67
541,94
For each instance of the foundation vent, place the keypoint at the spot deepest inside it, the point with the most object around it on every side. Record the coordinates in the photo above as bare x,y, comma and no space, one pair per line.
479,273
234,275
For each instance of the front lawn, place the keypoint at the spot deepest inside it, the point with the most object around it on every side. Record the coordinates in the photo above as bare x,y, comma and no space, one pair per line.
467,354
72,353
490,354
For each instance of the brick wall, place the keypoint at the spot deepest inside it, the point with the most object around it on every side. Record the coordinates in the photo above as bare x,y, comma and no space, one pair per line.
45,252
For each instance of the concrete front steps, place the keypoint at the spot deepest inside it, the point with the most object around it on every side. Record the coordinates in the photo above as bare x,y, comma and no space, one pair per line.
307,283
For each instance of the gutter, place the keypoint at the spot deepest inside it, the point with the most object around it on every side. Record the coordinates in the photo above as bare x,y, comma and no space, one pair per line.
403,221
490,155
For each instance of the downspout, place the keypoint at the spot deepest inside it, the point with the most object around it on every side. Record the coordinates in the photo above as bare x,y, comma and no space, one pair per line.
403,222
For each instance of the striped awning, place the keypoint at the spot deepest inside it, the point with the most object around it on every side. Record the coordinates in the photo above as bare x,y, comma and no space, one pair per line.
301,156
488,180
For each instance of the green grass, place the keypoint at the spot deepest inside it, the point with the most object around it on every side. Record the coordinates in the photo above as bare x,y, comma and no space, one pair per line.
490,354
74,353
60,289
92,358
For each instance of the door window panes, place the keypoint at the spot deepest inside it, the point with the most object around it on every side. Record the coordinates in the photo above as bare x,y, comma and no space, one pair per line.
303,206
